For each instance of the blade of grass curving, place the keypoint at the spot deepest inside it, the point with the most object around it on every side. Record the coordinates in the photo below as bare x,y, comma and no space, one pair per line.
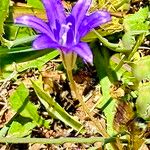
54,109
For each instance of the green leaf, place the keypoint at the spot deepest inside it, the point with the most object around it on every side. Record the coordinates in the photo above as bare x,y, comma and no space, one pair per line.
37,63
15,32
54,109
136,23
143,102
35,4
4,8
21,127
128,41
106,103
19,54
20,103
141,69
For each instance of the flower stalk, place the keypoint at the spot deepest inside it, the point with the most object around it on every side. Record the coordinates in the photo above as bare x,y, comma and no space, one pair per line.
86,110
75,91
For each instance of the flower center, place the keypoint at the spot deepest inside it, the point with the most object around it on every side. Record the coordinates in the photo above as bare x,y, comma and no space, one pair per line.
63,32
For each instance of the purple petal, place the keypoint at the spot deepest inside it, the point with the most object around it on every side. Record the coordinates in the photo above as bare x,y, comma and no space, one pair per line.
54,10
57,31
43,41
79,11
70,37
71,19
95,19
84,51
70,33
36,23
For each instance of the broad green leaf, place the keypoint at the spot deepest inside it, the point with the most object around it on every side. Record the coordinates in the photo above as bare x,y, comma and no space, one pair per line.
128,41
19,102
143,102
4,8
54,109
21,127
137,23
35,3
141,68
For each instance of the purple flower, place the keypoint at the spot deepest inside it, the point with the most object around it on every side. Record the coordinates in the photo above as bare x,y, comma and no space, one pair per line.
64,31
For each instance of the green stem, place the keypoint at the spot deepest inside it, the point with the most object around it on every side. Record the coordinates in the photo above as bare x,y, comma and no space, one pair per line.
138,43
112,46
52,141
120,63
60,140
97,124
135,48
83,104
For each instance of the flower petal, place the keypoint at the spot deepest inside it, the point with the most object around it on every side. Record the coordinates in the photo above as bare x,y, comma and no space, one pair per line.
95,19
35,23
70,38
57,31
79,11
54,10
43,41
71,19
84,51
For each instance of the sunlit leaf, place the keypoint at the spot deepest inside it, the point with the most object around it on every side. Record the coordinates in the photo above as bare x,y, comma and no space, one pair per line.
35,3
21,127
14,33
106,102
143,102
4,8
141,68
137,23
19,102
128,41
